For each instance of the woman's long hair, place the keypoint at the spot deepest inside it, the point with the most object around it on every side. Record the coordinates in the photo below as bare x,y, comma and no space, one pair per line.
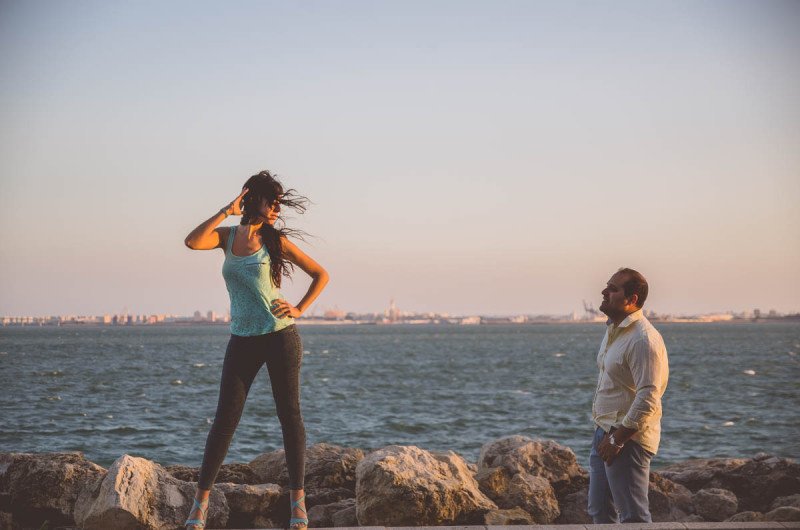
265,187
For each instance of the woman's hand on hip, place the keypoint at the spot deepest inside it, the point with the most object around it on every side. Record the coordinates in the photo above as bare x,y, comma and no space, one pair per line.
282,309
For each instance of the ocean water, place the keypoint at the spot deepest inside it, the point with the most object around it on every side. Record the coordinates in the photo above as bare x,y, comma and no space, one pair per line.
151,391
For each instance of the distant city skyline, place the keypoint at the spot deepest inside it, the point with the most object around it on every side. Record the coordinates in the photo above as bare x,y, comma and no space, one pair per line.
462,157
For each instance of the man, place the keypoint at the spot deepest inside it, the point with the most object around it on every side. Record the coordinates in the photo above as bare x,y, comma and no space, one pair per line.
627,404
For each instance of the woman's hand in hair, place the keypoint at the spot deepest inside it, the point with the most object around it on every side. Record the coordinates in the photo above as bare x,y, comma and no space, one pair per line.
282,309
235,208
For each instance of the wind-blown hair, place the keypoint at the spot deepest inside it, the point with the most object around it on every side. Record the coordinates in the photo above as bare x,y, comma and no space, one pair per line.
265,187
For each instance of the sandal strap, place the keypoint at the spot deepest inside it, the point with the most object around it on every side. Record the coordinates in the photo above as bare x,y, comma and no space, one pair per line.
296,504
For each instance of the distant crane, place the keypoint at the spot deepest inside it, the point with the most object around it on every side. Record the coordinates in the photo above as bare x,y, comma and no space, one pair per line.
590,310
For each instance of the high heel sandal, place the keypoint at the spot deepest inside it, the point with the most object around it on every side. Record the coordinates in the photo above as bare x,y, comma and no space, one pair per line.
298,523
198,524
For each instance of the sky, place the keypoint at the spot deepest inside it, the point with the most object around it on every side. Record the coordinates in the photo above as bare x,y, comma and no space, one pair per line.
494,157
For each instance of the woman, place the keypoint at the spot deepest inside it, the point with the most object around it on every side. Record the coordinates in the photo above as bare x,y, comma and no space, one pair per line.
257,256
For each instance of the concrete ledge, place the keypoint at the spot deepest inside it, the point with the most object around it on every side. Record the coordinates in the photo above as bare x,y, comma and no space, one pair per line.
630,526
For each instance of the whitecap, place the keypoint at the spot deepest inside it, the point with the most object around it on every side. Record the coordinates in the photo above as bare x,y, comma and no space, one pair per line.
324,379
209,421
324,351
306,352
110,416
199,365
749,372
559,354
176,382
54,398
3,353
792,353
523,392
728,424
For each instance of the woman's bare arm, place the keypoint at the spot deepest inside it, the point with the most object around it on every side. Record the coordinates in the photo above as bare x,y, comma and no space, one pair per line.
319,279
207,236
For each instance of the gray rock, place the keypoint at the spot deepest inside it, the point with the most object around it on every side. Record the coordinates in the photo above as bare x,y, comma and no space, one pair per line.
574,508
327,467
138,494
542,458
533,494
508,517
322,515
715,504
45,486
5,521
756,482
235,473
784,513
669,501
745,517
248,502
347,517
789,500
696,474
407,486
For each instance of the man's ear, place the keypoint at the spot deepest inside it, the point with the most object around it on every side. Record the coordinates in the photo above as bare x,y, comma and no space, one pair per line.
634,300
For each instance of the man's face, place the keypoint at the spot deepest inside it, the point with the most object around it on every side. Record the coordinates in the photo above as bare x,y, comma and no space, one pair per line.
614,301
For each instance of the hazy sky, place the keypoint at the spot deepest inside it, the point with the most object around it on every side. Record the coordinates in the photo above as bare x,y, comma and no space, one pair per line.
469,157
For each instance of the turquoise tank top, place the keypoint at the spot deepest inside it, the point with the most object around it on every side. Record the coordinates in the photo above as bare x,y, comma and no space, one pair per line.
252,292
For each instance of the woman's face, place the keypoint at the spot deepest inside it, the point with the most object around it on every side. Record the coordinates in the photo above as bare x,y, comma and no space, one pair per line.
269,211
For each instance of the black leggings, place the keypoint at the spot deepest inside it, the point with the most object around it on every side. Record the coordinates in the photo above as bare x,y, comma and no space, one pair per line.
282,351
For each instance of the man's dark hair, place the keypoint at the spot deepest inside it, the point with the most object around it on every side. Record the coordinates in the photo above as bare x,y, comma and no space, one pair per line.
635,284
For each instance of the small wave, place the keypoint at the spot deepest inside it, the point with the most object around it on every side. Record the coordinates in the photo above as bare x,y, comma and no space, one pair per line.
792,353
49,373
199,365
53,398
749,372
3,353
523,392
176,382
728,424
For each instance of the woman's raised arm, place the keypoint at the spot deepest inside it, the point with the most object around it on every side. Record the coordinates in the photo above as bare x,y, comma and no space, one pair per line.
207,236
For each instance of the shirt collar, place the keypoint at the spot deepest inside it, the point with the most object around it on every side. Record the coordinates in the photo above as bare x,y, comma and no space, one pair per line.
630,319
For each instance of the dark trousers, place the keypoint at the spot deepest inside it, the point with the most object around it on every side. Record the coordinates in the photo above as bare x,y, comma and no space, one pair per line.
282,352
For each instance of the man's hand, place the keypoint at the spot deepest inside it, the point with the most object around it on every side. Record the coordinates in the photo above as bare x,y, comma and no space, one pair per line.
607,451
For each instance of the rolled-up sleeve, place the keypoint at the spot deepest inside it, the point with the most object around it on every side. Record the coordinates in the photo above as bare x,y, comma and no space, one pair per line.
649,369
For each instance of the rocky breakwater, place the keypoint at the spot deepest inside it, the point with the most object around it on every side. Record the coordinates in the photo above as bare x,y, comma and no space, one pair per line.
517,480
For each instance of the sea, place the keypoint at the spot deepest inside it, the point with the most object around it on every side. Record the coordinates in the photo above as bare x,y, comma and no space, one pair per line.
151,391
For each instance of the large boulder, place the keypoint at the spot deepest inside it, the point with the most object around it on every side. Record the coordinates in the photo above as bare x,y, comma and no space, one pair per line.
696,474
44,486
789,500
253,505
669,501
406,485
746,517
542,458
515,516
327,515
533,494
327,467
784,514
235,473
574,508
138,494
757,482
715,504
